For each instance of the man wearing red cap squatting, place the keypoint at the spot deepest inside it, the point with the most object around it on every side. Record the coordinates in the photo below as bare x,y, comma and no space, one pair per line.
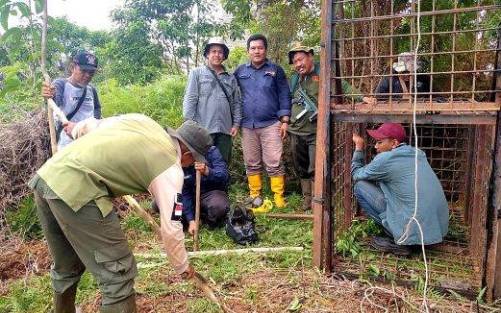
384,189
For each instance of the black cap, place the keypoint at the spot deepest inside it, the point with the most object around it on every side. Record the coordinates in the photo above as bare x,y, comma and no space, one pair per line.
86,60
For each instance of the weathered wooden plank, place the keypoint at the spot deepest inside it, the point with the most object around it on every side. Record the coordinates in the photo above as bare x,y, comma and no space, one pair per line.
347,201
493,259
479,200
322,241
465,119
493,266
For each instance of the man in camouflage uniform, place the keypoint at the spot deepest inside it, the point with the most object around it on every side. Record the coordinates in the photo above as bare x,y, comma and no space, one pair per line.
303,127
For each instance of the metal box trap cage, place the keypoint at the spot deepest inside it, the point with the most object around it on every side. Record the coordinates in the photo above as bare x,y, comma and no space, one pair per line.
457,115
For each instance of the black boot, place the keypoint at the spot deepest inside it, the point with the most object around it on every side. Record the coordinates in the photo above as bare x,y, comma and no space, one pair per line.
306,190
125,306
65,302
386,244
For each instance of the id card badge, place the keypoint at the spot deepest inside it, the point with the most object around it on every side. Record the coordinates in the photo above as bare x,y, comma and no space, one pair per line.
177,212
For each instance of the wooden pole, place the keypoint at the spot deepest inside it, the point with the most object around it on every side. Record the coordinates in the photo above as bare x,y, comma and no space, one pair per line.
50,115
197,279
145,215
492,279
196,244
322,228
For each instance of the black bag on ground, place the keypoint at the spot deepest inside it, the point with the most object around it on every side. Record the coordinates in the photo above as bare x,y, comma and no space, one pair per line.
240,226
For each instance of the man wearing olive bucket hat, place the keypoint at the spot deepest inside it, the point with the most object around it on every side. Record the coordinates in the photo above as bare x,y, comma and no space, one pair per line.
212,97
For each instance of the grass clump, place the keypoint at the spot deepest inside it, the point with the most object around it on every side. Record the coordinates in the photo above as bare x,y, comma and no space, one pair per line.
31,296
202,306
348,243
24,220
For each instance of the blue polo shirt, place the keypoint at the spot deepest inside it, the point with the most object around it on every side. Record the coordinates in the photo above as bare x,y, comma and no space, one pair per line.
265,94
218,179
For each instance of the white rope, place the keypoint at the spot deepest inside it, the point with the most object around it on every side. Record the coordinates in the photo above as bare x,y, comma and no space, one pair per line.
405,235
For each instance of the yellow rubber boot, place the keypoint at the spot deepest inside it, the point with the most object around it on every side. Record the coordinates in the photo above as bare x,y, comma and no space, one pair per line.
255,185
264,208
278,187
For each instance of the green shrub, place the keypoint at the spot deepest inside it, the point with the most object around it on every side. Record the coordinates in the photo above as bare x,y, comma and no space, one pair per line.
17,93
161,100
348,242
24,220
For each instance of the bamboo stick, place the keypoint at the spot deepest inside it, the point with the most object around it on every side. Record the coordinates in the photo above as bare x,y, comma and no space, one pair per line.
50,116
196,254
290,216
196,244
197,279
145,215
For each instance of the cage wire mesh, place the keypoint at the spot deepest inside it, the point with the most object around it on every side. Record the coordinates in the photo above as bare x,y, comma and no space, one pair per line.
455,76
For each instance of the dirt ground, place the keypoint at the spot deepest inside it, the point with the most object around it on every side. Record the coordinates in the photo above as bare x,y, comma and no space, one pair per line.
20,259
273,294
265,291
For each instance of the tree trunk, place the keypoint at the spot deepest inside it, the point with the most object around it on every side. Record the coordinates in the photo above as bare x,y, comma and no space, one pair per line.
197,38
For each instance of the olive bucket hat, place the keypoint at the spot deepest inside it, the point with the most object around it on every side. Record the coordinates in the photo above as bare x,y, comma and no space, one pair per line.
299,48
216,41
195,137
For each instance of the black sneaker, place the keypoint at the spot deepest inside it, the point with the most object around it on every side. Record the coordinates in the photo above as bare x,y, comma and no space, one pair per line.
386,244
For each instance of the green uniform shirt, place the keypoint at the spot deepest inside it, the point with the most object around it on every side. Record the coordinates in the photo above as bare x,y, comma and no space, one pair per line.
114,160
309,83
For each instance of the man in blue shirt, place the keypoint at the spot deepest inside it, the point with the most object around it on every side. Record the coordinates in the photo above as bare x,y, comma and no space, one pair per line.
385,190
266,112
214,202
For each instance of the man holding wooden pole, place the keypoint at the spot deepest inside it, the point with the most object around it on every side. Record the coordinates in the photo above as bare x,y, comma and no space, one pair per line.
117,156
74,95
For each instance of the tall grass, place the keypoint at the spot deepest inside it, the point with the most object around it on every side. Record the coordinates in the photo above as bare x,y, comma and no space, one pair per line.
161,100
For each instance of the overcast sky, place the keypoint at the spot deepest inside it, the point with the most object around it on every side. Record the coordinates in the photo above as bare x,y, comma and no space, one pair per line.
94,14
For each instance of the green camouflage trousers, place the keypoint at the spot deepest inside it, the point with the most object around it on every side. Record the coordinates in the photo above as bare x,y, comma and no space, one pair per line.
85,240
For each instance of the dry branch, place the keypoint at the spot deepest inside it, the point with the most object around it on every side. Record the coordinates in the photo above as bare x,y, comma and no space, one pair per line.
24,148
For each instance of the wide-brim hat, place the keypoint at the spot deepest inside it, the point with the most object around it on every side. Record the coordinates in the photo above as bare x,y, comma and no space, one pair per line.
405,63
299,48
217,41
195,137
389,131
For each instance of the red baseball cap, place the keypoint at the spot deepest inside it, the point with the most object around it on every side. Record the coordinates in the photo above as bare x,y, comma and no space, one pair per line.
388,130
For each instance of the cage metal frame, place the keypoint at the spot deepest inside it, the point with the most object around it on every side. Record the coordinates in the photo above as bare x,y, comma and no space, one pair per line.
480,119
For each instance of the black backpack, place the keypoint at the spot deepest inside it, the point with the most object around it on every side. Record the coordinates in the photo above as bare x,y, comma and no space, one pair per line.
240,226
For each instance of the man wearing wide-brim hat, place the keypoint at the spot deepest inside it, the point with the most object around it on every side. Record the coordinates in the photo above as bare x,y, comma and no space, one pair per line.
401,84
124,155
212,97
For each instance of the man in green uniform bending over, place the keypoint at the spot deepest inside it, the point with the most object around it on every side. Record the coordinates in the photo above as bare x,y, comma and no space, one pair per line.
112,157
